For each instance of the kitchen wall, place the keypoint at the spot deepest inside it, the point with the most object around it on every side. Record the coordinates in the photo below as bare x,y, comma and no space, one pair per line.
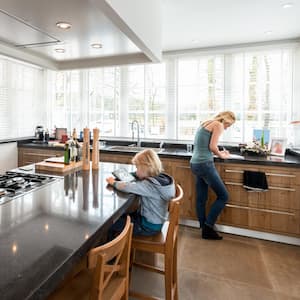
8,157
296,87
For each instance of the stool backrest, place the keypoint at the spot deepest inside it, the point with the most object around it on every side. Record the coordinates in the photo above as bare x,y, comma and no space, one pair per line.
173,222
111,260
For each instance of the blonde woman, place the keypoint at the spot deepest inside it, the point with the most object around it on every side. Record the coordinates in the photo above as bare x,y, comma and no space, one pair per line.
155,189
202,165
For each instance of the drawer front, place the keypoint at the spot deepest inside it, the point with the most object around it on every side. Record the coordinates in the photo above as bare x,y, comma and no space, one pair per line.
285,199
276,177
261,219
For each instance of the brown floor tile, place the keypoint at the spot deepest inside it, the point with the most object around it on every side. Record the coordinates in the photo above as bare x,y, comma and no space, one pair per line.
194,285
283,265
229,259
236,268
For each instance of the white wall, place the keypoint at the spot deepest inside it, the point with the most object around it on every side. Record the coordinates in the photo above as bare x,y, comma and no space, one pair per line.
296,88
8,156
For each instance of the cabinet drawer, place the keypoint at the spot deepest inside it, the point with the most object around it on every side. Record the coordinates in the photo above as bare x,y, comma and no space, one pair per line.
278,177
277,198
261,219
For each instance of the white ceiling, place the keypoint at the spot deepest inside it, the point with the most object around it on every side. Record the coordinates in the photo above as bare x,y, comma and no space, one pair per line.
186,24
25,22
210,23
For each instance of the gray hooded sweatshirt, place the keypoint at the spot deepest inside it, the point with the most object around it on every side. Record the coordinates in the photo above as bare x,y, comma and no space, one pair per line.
155,194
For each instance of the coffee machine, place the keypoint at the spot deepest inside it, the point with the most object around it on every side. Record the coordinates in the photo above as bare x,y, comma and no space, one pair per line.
39,133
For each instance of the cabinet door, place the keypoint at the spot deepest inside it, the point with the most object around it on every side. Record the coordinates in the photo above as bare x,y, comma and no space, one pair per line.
116,158
28,156
181,172
183,175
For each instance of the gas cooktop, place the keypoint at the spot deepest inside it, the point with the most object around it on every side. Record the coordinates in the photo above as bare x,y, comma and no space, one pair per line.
14,184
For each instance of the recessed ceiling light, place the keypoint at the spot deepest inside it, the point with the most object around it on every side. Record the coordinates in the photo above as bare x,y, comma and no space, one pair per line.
60,50
96,45
287,5
63,25
268,32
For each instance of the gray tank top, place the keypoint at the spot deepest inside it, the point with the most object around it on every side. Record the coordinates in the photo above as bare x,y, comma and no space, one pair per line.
201,151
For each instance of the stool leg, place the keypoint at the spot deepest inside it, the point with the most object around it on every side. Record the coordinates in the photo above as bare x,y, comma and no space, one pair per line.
174,283
168,276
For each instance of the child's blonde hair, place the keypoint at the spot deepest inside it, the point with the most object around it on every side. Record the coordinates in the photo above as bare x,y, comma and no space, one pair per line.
149,161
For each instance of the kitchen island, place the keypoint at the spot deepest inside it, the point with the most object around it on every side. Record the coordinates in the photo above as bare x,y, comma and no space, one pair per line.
44,233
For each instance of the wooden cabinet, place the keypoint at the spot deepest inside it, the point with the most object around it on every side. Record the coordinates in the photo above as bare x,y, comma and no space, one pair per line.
276,210
181,172
116,157
27,156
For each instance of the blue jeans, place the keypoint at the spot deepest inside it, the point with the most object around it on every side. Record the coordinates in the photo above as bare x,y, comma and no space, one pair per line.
208,176
138,227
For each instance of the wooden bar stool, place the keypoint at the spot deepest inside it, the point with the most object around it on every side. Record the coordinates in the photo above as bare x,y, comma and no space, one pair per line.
166,244
107,275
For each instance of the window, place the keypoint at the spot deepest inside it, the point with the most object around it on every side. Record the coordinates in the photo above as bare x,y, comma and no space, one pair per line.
200,92
171,99
21,99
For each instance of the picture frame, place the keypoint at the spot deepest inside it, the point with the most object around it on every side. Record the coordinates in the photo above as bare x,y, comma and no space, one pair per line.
278,146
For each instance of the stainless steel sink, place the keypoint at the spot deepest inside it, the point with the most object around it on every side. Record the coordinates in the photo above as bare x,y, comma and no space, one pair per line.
132,148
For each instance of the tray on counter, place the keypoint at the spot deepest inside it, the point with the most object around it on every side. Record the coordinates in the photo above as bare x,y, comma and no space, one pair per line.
57,167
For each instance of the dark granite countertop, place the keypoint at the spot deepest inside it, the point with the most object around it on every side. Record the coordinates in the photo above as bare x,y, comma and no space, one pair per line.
45,232
291,159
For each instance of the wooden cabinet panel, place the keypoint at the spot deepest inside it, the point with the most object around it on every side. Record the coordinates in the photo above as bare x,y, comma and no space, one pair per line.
28,156
234,216
180,170
275,210
116,158
184,177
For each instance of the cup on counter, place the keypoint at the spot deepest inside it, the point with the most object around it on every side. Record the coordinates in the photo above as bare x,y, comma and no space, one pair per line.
64,138
189,148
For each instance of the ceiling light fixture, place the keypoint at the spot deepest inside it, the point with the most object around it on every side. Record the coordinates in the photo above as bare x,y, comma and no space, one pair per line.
96,45
63,25
60,50
287,5
268,32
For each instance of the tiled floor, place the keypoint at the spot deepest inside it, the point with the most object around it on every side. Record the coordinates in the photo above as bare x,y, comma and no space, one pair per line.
234,268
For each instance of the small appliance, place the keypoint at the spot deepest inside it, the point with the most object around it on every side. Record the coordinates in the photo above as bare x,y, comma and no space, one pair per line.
39,132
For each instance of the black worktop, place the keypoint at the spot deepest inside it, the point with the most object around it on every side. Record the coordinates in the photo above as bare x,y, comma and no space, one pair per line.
291,159
45,232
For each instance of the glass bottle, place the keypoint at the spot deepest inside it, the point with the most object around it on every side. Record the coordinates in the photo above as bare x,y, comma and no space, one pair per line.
262,139
67,154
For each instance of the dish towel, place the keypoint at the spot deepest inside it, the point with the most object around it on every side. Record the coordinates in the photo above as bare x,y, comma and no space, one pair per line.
255,181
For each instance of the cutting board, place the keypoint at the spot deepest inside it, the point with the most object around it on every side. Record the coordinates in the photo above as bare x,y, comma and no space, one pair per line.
58,167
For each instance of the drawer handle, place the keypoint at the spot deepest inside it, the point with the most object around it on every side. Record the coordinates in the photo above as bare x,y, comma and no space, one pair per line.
281,175
261,209
268,174
270,187
234,171
233,183
281,188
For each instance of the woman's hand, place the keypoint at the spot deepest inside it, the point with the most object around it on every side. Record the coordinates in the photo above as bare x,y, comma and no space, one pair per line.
224,154
110,180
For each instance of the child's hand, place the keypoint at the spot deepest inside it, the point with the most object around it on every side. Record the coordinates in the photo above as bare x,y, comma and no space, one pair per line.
110,180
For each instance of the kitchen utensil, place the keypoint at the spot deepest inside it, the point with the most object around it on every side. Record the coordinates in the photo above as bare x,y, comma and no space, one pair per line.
95,151
86,149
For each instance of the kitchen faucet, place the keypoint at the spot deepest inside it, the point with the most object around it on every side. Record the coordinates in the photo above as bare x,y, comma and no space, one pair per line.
137,125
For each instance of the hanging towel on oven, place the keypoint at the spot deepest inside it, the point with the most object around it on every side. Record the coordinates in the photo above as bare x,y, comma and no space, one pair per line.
255,181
